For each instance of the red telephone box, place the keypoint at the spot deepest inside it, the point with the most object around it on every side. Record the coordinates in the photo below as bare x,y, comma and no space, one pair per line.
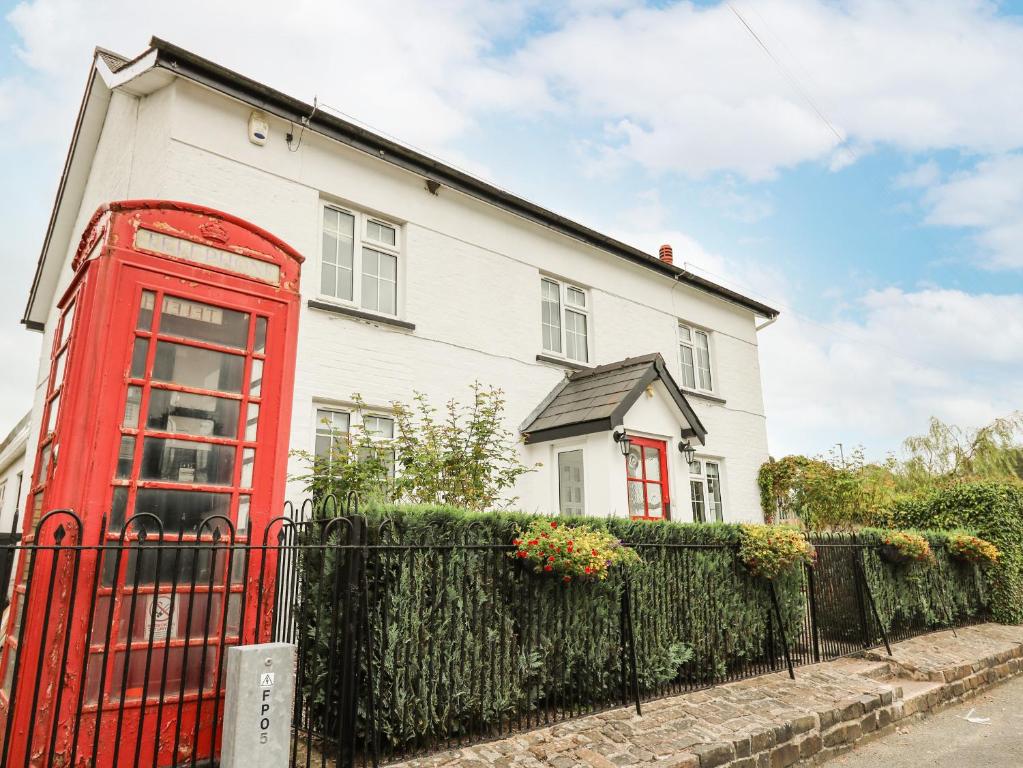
168,410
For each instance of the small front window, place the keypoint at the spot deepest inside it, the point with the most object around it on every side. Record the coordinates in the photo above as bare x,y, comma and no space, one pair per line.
570,482
330,425
705,491
359,260
564,319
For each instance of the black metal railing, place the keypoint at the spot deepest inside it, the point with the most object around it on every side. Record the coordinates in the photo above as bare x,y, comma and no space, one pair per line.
405,646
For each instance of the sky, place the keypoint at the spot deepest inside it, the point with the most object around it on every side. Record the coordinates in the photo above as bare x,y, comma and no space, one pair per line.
856,164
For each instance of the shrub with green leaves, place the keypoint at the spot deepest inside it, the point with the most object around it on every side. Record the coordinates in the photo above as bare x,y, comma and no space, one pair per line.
993,511
459,639
771,550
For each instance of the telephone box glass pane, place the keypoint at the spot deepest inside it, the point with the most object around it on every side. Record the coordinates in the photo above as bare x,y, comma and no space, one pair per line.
58,374
51,420
251,420
145,322
259,347
125,457
190,414
256,378
248,462
182,511
138,358
200,368
195,320
187,461
131,407
65,328
117,509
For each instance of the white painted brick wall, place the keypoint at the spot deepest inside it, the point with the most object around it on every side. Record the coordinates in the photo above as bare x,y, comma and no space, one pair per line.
471,282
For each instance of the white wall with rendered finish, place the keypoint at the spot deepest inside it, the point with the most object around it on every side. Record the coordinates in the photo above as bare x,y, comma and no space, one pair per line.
469,281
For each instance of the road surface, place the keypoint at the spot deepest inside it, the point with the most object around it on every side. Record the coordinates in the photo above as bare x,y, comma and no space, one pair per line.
948,739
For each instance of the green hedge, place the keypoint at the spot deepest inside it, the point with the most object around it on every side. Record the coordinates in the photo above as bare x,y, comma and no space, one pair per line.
994,511
462,641
918,596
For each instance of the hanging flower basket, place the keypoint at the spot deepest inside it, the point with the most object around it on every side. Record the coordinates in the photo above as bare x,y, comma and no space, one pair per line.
902,548
967,548
768,551
570,552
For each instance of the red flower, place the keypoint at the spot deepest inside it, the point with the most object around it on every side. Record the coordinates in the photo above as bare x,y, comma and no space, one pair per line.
534,542
593,552
550,559
570,548
516,542
588,569
554,524
567,579
523,553
548,568
545,535
570,542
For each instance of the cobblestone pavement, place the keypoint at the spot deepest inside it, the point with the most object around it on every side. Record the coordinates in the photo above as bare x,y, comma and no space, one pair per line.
768,721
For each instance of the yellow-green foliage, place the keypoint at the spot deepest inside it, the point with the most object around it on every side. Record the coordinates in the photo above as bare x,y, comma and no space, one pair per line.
911,546
771,550
974,549
571,551
992,510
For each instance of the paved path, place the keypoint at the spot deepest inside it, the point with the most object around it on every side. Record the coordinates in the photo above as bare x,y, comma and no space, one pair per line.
947,739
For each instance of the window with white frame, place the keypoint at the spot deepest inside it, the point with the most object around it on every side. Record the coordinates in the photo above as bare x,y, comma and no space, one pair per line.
694,356
705,491
359,260
570,482
565,320
333,426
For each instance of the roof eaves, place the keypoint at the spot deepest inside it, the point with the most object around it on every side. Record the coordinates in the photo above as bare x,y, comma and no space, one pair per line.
187,64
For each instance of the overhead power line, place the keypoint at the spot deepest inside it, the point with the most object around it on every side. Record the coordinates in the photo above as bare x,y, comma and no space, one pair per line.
793,81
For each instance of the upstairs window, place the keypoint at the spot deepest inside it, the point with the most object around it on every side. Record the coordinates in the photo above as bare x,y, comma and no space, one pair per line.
694,356
565,320
359,260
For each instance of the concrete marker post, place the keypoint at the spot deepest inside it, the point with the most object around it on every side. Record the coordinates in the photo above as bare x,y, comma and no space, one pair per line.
259,698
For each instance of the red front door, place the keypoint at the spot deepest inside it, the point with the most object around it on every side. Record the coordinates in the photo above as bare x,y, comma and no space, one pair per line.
646,470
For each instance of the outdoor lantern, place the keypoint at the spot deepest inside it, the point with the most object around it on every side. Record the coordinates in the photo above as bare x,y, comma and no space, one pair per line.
687,450
622,438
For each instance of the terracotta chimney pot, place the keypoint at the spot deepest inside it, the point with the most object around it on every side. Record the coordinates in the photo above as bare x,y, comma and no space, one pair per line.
666,254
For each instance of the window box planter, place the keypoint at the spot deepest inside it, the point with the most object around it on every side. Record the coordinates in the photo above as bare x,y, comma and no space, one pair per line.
903,547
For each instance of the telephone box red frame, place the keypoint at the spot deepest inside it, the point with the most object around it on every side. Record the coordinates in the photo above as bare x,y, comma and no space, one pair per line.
178,258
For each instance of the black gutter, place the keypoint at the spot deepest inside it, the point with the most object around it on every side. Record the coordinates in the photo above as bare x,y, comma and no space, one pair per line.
218,78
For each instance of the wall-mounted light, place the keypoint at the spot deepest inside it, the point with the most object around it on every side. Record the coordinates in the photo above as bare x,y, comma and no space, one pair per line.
687,450
622,438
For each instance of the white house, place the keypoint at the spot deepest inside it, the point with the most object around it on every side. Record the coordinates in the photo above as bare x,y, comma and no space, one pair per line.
12,466
419,277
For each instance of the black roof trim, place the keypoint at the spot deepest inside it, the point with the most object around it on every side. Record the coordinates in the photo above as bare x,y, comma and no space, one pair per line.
655,370
230,83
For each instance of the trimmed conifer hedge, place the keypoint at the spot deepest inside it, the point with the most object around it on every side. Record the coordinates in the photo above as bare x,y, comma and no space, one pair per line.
464,641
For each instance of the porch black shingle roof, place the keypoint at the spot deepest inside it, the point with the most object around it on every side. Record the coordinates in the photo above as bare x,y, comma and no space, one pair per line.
597,399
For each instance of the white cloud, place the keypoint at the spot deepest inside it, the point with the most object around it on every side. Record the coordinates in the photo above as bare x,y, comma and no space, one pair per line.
988,200
924,175
876,380
692,91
